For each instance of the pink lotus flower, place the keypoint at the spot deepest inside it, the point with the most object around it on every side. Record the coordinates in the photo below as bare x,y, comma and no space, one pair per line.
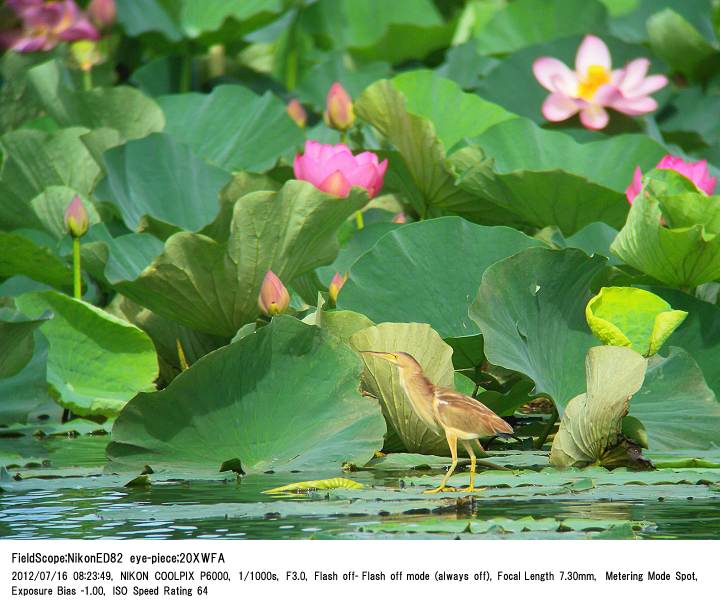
594,86
339,113
697,172
46,24
273,298
334,169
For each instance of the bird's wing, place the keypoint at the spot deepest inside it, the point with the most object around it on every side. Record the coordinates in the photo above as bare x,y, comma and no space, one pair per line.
460,411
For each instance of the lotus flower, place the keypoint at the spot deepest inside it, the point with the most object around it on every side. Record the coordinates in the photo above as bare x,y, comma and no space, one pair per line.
697,172
336,284
593,86
334,169
273,298
44,25
102,13
76,218
297,113
339,113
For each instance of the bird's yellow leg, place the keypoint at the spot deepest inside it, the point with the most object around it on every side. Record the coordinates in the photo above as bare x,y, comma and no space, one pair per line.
473,462
452,442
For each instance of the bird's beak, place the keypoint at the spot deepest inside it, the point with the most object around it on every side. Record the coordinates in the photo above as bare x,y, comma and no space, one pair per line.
390,357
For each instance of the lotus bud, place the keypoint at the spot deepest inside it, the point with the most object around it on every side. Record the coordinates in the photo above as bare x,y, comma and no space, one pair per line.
339,113
273,298
76,218
297,113
86,54
399,218
338,281
102,13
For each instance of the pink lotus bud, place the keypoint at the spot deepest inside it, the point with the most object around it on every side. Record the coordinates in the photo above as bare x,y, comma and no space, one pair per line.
102,13
334,169
400,218
696,172
339,113
338,281
76,218
297,113
86,54
273,298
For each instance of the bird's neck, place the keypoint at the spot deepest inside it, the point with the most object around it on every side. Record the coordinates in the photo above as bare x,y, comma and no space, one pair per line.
420,392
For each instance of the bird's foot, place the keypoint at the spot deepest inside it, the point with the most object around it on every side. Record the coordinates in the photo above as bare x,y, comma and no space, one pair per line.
439,489
471,489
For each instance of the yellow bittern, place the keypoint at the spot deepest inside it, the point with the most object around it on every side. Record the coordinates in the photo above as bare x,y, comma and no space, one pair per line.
447,411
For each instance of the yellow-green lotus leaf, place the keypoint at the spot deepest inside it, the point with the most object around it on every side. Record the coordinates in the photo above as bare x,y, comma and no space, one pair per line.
631,317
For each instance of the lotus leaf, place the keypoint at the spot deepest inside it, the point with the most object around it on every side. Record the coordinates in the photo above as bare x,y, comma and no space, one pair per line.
631,317
283,398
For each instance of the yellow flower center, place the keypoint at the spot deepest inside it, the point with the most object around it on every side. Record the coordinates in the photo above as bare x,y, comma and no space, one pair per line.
596,77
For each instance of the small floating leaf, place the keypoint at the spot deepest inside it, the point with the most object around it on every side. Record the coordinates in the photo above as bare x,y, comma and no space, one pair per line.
312,485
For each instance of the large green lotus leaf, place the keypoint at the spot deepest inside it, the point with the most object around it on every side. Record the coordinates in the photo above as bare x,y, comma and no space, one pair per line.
113,259
677,408
406,430
692,124
595,238
188,18
360,242
212,286
455,114
592,423
699,335
546,178
124,109
314,86
674,39
428,272
679,257
16,338
232,127
21,255
283,398
631,317
25,394
527,22
530,310
166,335
431,188
198,18
375,30
96,362
160,178
35,160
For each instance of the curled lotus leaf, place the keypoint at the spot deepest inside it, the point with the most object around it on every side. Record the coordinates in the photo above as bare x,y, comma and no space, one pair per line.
631,317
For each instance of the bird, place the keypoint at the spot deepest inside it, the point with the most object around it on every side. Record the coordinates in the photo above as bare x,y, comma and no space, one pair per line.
446,411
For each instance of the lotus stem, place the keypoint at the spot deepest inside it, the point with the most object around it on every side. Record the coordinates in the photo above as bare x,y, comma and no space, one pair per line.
87,79
77,278
548,429
359,220
186,73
